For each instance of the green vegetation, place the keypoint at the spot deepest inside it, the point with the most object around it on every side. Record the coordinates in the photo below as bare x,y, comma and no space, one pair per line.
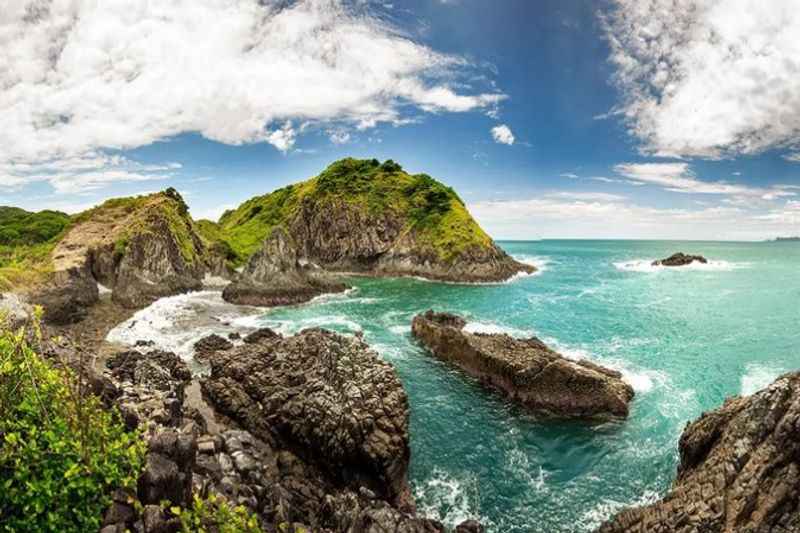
61,453
26,240
215,515
22,228
429,209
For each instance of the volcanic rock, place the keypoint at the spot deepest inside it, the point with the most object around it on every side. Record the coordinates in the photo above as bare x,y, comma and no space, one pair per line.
739,470
526,370
680,259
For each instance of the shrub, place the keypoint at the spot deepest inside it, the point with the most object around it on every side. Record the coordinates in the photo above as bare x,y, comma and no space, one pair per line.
61,454
216,515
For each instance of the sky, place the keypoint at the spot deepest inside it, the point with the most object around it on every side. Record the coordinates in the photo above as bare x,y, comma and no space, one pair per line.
637,119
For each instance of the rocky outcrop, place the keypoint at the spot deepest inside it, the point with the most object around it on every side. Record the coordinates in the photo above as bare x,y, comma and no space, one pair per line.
327,421
276,276
680,259
209,344
364,216
142,248
526,370
739,470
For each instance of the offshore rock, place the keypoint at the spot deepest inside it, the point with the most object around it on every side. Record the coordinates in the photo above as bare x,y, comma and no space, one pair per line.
526,370
680,259
275,276
739,470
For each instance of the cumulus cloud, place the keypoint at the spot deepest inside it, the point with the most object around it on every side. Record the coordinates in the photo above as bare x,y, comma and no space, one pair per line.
80,77
678,177
793,157
502,134
707,78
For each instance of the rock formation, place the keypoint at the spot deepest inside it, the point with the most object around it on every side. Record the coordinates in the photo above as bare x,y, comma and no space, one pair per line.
143,248
364,216
739,470
680,259
275,276
526,370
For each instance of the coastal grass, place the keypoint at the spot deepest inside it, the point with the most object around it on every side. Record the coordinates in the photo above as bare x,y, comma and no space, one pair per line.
433,212
62,454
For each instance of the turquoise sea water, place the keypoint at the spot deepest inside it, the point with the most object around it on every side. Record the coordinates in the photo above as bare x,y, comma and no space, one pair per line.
685,339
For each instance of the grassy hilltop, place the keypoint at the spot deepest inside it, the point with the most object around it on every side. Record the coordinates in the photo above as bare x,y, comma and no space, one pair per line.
427,207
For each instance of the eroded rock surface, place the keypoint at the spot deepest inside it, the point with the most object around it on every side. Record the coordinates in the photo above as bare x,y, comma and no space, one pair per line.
739,470
526,370
276,276
680,259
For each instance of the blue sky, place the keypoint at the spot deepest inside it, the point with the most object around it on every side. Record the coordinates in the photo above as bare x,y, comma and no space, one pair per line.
617,119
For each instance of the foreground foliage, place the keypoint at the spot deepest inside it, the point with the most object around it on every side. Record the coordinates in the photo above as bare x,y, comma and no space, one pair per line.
215,515
61,453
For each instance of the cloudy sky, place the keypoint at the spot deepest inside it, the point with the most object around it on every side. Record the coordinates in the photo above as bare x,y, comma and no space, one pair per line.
568,118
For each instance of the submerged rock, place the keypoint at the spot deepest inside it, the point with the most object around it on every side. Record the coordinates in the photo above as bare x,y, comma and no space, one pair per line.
275,276
526,370
680,259
739,470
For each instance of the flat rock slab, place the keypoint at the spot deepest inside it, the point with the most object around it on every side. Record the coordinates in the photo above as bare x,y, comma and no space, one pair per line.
526,370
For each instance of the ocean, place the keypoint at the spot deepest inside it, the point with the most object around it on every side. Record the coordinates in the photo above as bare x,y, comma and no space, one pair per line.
684,338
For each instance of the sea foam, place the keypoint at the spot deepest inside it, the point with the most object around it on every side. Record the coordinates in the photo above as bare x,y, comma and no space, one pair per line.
647,266
757,377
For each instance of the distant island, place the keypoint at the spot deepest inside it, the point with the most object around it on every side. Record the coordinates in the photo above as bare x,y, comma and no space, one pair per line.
787,239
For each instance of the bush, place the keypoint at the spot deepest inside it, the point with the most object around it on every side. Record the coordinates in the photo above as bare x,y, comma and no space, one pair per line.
61,454
215,515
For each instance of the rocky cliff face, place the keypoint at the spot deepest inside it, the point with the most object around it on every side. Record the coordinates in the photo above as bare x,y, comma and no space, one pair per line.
739,470
275,276
142,248
363,216
526,370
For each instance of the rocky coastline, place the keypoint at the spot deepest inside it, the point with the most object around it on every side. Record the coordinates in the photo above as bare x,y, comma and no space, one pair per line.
680,259
526,370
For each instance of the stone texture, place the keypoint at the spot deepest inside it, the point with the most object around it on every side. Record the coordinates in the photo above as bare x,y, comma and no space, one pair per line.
680,259
526,370
275,276
739,470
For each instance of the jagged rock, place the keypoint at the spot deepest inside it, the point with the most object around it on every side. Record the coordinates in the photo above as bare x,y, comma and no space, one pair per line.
526,370
739,470
469,526
328,398
275,276
66,295
259,335
168,469
680,259
210,344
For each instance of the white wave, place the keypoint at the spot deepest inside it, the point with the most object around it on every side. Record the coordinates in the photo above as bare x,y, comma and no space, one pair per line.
647,266
642,380
758,377
339,323
332,297
594,517
496,329
400,329
518,462
449,499
175,323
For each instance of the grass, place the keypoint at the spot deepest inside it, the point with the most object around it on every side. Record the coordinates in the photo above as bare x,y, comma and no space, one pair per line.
429,209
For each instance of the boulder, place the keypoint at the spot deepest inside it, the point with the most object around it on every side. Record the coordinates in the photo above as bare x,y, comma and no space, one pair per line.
680,259
328,399
275,276
526,370
210,344
739,470
66,295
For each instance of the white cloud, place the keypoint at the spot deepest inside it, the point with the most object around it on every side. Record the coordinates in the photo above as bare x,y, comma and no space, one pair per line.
502,134
678,177
569,175
707,78
587,196
339,136
793,157
553,217
80,76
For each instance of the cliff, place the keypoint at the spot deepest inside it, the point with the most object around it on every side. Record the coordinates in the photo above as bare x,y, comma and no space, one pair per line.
739,470
364,216
141,247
